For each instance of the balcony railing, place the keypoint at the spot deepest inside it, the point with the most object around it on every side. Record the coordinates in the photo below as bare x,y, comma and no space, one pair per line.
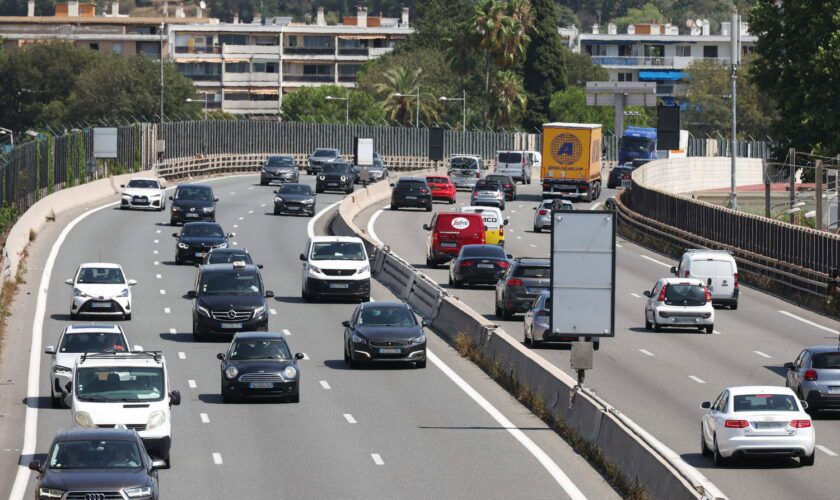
353,51
204,78
309,51
309,78
659,62
216,49
347,78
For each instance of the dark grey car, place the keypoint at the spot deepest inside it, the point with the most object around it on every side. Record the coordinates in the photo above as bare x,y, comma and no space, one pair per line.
384,332
521,284
294,199
97,464
320,156
279,169
815,377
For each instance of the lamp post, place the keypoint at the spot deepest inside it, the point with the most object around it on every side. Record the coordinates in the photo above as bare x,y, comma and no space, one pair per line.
205,104
735,42
463,100
11,135
161,28
346,106
417,95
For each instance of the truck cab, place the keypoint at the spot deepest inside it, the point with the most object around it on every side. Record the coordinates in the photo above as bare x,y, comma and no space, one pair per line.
637,143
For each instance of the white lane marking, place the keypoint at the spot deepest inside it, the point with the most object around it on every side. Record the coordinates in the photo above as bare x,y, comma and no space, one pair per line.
619,245
826,450
310,228
204,418
242,218
655,261
697,379
157,263
518,206
155,252
763,355
645,352
172,330
511,230
324,384
533,246
349,418
250,211
716,332
305,356
286,332
167,310
157,232
192,384
372,299
519,237
236,244
158,276
809,322
636,295
273,312
513,211
546,461
235,226
262,205
182,355
163,292
595,206
377,459
217,457
371,227
250,188
231,192
157,241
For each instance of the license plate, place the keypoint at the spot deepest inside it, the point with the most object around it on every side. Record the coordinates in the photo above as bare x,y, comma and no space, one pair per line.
231,325
339,285
100,305
389,351
767,425
260,385
293,208
485,266
535,290
625,183
448,244
410,197
200,254
192,215
834,390
684,320
332,184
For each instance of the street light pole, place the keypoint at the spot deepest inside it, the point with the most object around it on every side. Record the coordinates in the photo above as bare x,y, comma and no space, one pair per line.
417,116
735,41
463,100
161,28
346,106
205,104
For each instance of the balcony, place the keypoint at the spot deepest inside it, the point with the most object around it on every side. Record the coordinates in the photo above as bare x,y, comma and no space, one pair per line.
634,61
309,51
309,78
204,78
263,51
216,49
354,51
347,78
380,51
250,107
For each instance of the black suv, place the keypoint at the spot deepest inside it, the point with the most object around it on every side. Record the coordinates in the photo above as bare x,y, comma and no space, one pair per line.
192,202
411,192
335,176
197,239
99,464
521,284
229,298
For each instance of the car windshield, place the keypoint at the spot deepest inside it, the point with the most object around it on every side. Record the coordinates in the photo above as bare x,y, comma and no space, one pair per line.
335,168
143,184
338,250
404,184
208,230
462,163
328,153
92,342
765,402
510,157
826,360
101,276
637,144
685,295
260,349
228,257
564,205
386,316
487,186
194,193
532,272
479,251
504,179
231,282
95,454
280,161
106,384
295,189
437,180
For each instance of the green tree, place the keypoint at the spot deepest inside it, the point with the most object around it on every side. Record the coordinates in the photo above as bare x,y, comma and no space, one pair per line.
311,104
402,108
579,69
437,21
509,99
648,13
569,105
566,16
544,70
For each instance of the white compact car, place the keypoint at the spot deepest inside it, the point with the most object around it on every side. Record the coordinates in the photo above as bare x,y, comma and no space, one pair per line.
335,266
128,389
679,303
76,340
756,421
101,289
143,193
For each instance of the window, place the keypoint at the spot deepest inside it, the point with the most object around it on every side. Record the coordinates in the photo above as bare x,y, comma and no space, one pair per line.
117,48
625,50
240,67
710,51
92,342
683,50
119,384
338,250
510,158
317,42
264,67
233,39
826,360
265,40
765,402
685,295
625,77
293,41
349,69
94,46
317,69
654,50
532,272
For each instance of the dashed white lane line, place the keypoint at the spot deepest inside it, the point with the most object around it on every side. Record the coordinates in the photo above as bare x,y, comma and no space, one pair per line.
655,261
250,188
157,241
518,206
349,418
155,252
182,355
763,355
645,352
619,245
242,218
716,332
217,458
250,211
262,205
192,384
286,332
636,295
809,322
231,192
310,228
826,450
173,331
157,263
273,312
158,276
305,356
235,226
595,206
157,232
556,472
519,237
377,459
236,244
513,211
697,379
324,384
167,310
163,292
533,246
204,418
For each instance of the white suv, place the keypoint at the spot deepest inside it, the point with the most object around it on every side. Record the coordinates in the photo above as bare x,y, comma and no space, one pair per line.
335,266
126,389
100,289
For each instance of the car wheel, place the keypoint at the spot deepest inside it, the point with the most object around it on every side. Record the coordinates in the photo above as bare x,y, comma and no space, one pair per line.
497,310
704,450
127,317
527,338
420,364
394,207
305,295
276,212
656,326
74,315
648,324
319,190
452,201
596,346
294,398
734,306
507,314
197,337
263,183
710,329
365,299
226,396
720,460
171,222
537,229
177,260
429,208
808,460
346,357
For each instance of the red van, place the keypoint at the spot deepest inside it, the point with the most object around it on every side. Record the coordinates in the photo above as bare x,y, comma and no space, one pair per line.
448,232
442,188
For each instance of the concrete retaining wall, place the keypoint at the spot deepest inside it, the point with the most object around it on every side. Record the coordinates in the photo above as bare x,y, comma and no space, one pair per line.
689,175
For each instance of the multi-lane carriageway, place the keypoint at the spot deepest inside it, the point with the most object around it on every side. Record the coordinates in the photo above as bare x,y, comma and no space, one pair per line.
660,379
444,432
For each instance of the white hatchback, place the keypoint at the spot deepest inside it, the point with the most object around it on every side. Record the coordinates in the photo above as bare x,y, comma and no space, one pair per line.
756,421
679,303
100,289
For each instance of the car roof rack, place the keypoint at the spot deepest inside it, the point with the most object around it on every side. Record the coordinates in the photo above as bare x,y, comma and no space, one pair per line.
112,354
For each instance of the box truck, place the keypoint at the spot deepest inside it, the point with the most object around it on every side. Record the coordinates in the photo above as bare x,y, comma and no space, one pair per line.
571,160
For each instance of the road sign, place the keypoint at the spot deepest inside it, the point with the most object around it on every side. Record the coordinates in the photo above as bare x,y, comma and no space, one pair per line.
104,142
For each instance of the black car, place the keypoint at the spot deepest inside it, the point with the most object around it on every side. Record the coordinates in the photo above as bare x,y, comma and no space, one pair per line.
384,332
507,184
192,202
521,284
294,199
320,156
229,298
411,192
279,169
97,464
259,365
196,239
478,265
228,256
335,176
617,174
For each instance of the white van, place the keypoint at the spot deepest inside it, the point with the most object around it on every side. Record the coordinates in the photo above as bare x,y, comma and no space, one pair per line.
516,164
466,170
129,389
494,223
716,268
536,159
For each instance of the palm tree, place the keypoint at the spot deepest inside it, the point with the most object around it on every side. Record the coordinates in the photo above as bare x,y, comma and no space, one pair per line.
402,108
508,98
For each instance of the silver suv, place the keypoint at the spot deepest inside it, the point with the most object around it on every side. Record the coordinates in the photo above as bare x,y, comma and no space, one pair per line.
815,377
317,159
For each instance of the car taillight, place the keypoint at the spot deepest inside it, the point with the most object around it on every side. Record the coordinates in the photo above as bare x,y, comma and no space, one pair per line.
423,191
810,375
543,312
503,263
501,230
800,424
736,280
478,175
509,186
661,297
546,186
543,212
736,424
687,275
514,282
466,263
435,235
708,295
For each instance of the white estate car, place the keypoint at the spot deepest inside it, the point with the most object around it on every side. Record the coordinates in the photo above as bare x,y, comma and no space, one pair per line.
100,289
128,389
143,193
756,421
679,303
335,266
76,340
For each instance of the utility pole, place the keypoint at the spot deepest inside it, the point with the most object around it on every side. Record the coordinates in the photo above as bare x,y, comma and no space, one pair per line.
162,27
735,42
417,119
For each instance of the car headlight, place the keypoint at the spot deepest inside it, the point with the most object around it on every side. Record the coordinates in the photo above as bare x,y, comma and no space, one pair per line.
290,372
176,208
231,372
265,171
363,269
315,269
78,293
126,196
207,210
183,246
308,202
124,293
418,340
156,419
139,492
203,311
278,199
50,493
358,340
83,419
258,311
62,369
221,245
321,177
343,178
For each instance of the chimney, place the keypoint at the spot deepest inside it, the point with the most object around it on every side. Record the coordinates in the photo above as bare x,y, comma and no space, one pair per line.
73,8
404,22
236,18
612,29
320,20
631,29
179,10
199,12
361,16
706,27
30,8
115,8
595,29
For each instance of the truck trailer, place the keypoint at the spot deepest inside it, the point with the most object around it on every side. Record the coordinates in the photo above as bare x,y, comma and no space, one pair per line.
571,161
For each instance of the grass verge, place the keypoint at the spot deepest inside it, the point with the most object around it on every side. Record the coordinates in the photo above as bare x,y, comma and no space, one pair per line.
7,295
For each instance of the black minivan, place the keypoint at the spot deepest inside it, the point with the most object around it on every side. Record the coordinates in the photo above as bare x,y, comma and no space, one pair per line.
192,203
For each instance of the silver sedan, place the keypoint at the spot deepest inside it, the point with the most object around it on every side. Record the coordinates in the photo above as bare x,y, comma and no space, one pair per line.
542,214
536,324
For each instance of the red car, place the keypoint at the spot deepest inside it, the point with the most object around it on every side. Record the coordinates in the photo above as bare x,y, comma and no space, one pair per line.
448,232
442,188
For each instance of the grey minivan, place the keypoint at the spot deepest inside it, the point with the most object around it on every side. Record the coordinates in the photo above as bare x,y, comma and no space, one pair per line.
815,377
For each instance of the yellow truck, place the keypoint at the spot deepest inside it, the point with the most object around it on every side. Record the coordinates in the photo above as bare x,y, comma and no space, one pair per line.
571,161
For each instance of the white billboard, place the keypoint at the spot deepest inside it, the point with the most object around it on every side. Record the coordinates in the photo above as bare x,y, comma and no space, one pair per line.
104,142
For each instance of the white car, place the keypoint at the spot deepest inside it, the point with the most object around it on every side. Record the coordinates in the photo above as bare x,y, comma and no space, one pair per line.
74,341
143,193
335,266
101,289
756,421
679,303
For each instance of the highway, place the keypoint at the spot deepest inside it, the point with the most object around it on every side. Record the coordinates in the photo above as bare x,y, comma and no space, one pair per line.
660,379
444,432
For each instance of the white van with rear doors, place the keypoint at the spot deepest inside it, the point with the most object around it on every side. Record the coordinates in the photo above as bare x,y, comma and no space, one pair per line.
516,164
717,269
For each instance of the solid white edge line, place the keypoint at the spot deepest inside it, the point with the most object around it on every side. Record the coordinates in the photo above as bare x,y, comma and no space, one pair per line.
273,312
826,450
371,227
204,418
655,261
286,332
809,322
697,379
377,459
182,355
324,384
636,295
349,418
217,458
546,461
167,310
310,228
191,383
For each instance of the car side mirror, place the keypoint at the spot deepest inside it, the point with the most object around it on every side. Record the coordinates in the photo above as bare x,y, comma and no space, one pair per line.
259,266
790,366
299,356
68,281
50,349
673,270
706,405
174,235
709,282
175,398
646,293
391,184
345,324
220,356
426,227
122,185
269,294
191,294
303,257
159,464
534,208
215,199
804,404
171,198
35,465
510,256
132,282
500,274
